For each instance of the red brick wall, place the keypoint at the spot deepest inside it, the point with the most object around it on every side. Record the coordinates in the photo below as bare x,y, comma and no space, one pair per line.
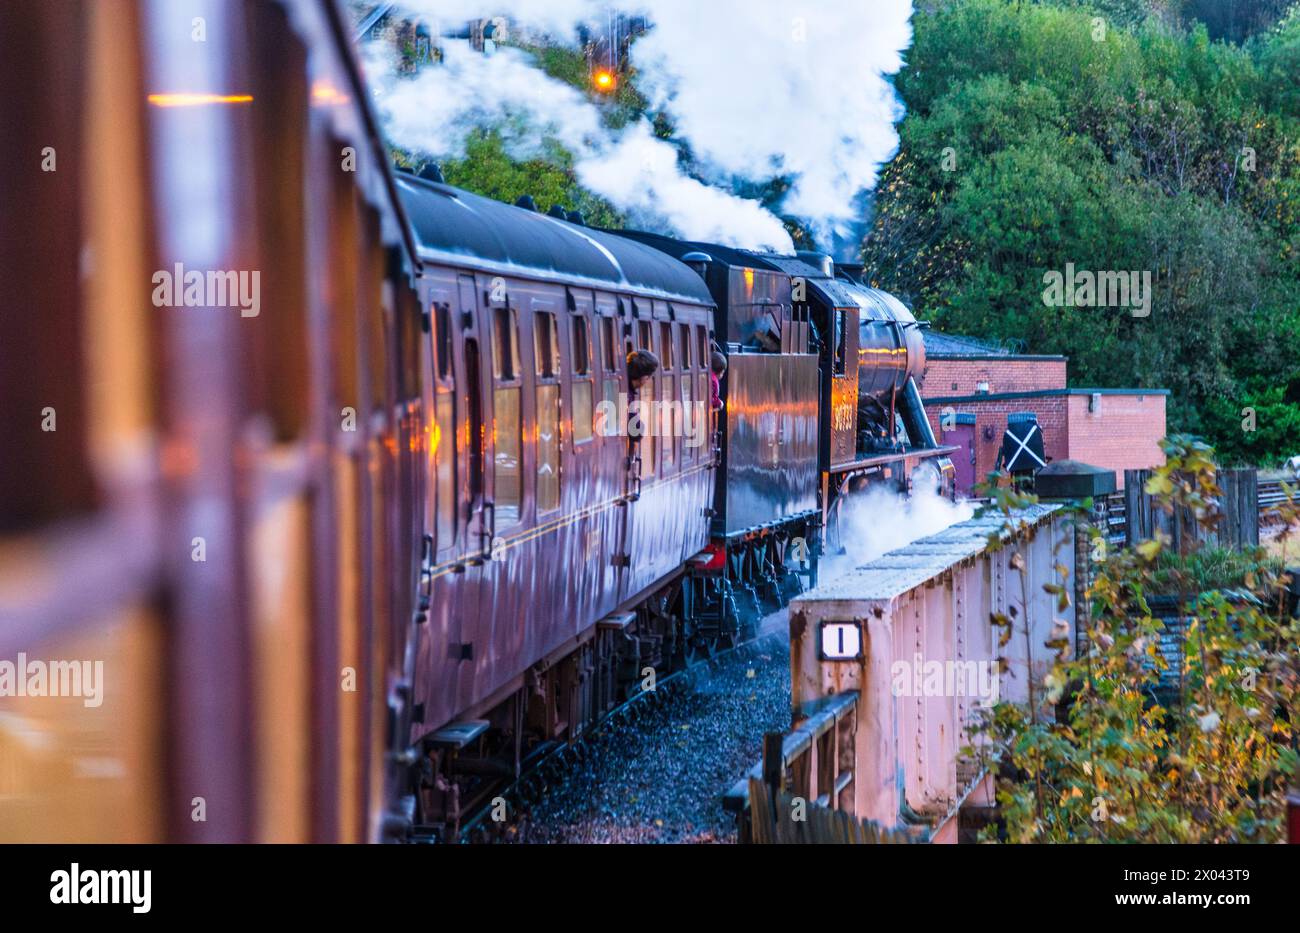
946,377
1122,435
992,413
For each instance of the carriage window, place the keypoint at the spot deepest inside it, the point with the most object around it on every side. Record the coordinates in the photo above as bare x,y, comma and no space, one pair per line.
442,338
643,423
505,417
505,432
668,424
609,343
686,346
475,426
703,345
444,450
505,345
546,341
600,418
548,447
666,345
841,342
582,385
581,357
646,334
689,427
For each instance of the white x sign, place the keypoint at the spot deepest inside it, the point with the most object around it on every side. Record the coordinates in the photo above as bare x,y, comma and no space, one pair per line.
1024,445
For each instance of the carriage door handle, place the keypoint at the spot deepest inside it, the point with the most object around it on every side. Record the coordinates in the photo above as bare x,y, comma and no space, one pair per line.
485,530
425,594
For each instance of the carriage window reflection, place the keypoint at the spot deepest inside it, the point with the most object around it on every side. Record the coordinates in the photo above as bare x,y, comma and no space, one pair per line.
667,422
548,447
505,436
582,385
444,449
688,413
642,422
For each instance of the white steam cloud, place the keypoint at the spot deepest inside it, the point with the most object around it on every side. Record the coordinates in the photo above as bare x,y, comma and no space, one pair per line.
435,112
768,87
757,89
882,521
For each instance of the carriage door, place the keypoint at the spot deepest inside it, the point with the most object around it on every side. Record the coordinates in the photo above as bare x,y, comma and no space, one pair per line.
581,480
472,496
609,373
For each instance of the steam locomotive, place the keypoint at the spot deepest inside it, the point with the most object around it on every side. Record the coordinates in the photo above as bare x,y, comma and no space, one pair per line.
352,562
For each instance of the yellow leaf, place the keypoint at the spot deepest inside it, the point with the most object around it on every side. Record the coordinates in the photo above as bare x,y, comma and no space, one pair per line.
1148,550
1158,485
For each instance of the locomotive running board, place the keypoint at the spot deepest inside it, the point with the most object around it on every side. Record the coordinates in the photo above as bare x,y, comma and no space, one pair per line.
923,453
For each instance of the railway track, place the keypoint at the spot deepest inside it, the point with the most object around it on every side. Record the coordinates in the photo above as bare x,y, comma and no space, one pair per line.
547,766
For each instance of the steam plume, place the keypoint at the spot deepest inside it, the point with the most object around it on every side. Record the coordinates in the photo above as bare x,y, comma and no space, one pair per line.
758,89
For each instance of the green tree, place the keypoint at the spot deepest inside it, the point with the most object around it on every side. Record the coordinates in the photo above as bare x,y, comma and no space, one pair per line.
1034,139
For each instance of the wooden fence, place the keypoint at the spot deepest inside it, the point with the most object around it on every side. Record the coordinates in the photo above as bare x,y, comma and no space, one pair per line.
1135,514
779,818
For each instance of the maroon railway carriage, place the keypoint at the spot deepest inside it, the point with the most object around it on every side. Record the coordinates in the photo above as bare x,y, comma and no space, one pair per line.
558,547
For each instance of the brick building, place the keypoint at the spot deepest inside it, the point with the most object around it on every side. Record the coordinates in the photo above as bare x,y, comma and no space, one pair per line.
977,385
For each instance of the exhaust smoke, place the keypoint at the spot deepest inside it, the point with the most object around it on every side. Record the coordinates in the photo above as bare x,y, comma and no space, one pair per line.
756,91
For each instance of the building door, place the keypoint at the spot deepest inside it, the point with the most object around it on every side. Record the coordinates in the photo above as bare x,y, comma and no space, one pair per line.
962,435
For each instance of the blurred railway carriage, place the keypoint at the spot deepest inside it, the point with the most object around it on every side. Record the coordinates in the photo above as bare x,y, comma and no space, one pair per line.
355,553
209,502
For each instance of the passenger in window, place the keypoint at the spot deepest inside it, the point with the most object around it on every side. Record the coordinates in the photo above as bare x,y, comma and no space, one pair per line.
717,366
641,365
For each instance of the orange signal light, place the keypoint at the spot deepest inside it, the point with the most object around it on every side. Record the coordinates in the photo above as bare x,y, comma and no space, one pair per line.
604,81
